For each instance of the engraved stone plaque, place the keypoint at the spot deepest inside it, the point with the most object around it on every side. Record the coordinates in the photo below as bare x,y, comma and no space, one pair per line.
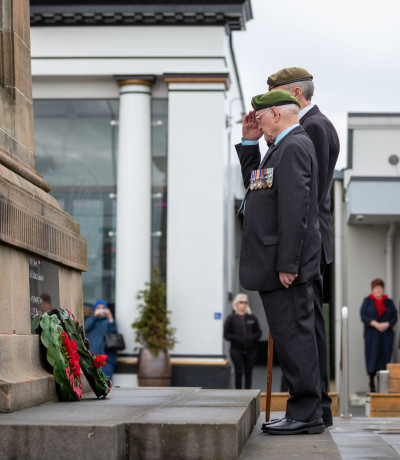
43,285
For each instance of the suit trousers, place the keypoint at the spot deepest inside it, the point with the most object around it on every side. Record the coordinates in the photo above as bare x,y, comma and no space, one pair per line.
320,335
291,318
326,400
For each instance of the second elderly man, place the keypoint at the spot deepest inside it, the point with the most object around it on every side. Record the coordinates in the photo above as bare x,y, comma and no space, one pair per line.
281,248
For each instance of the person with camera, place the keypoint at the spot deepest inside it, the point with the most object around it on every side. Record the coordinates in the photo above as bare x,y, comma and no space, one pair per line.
96,327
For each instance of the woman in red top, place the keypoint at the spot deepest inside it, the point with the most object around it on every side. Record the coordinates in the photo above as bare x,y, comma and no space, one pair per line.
379,315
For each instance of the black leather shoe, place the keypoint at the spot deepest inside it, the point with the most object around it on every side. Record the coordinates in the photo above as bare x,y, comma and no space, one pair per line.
271,422
327,423
288,426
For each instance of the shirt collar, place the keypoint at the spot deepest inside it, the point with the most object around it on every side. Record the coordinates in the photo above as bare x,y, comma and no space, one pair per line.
305,110
282,134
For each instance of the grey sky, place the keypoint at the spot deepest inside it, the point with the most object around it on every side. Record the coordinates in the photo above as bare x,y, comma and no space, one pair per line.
351,48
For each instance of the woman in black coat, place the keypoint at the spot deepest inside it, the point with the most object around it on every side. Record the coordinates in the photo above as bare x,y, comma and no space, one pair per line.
243,331
379,315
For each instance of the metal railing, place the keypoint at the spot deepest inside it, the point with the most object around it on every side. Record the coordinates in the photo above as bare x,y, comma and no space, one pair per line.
344,390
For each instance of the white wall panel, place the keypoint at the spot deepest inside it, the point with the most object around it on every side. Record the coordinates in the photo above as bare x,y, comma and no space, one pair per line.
195,272
118,66
364,247
75,88
127,41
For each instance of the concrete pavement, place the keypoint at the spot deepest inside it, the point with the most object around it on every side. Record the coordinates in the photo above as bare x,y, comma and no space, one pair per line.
184,424
356,438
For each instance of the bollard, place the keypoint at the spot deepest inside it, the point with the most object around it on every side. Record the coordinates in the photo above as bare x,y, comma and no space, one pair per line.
383,381
344,394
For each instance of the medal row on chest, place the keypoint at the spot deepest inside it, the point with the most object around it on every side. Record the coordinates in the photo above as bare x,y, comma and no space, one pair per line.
261,178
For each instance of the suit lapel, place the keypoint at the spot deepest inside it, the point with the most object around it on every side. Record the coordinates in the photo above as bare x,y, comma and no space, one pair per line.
267,155
275,147
270,151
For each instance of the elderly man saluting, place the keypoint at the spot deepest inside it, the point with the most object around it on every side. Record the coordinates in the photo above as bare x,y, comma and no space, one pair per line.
299,83
281,248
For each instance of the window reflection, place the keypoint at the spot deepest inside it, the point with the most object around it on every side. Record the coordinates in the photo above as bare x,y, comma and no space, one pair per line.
76,148
159,185
76,145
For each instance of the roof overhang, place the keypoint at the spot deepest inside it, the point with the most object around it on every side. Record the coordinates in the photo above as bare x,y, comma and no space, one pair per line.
232,14
373,200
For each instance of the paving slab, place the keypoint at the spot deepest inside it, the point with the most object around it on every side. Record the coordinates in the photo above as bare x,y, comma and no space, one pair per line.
136,423
367,438
300,447
355,438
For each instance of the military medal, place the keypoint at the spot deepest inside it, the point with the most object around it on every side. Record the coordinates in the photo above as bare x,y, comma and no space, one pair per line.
252,179
257,179
269,172
260,183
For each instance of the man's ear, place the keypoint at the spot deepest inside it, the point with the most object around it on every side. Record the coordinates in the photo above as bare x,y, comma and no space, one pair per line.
276,113
298,93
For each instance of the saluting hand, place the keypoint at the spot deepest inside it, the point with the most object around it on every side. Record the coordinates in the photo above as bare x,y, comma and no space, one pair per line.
287,278
251,130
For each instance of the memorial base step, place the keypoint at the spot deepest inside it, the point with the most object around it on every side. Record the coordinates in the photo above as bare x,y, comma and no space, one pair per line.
132,423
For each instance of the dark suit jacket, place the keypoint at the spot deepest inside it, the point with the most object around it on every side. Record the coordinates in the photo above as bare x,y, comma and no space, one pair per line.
281,225
326,144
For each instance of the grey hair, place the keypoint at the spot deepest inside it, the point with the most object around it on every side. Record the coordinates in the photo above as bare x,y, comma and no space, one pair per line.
236,301
289,109
307,87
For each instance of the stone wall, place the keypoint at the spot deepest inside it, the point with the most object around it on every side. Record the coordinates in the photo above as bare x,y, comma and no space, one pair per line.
31,222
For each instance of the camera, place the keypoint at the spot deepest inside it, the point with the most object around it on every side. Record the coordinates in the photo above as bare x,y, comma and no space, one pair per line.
102,311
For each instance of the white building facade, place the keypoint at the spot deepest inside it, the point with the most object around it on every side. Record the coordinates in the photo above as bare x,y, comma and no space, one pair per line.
133,105
367,228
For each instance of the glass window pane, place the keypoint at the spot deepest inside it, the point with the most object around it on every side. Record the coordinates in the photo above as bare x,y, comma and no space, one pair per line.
76,145
159,184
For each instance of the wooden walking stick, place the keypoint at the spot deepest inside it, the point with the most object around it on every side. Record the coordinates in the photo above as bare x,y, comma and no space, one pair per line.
269,377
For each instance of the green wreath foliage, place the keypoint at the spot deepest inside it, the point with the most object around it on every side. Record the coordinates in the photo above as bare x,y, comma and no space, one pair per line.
51,326
97,380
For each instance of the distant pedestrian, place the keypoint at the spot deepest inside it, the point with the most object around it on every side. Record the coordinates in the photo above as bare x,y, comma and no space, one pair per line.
379,315
96,326
243,332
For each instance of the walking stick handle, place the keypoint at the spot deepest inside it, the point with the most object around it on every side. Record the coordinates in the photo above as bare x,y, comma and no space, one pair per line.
269,377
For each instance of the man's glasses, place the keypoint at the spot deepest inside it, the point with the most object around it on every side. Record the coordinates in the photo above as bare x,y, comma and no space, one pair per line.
242,301
258,117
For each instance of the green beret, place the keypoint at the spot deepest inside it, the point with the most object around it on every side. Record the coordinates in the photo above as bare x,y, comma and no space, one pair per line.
273,98
289,75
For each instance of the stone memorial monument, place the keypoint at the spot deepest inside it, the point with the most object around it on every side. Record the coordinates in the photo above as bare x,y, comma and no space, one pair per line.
42,254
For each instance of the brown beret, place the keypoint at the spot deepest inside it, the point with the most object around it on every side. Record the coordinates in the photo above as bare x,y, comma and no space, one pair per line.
288,75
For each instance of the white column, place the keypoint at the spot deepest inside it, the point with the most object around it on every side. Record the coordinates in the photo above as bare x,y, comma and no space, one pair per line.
197,234
133,241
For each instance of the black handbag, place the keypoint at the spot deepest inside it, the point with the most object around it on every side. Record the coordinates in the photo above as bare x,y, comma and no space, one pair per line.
113,341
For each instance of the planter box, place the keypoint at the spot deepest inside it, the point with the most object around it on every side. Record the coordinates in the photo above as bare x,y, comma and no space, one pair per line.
394,377
278,402
384,405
